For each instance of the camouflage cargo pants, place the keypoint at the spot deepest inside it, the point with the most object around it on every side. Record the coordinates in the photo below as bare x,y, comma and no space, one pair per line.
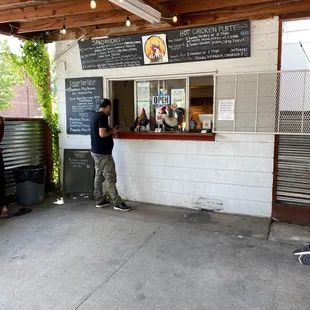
105,177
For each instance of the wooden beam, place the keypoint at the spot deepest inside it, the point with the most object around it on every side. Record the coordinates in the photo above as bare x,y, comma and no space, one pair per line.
58,9
167,14
5,29
82,20
294,16
185,6
196,20
7,4
249,12
237,13
140,26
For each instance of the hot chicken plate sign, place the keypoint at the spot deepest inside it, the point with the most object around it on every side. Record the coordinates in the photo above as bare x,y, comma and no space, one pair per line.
213,42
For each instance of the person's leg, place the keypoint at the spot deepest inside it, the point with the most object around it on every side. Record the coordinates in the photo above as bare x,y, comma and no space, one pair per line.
98,181
110,180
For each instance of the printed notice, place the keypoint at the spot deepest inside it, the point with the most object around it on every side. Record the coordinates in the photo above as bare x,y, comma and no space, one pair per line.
178,97
226,110
143,89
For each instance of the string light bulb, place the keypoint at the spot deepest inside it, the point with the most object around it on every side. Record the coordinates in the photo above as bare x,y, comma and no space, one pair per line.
120,1
175,18
93,4
63,30
128,22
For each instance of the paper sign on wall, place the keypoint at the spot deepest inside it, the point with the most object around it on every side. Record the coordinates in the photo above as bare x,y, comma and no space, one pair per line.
226,110
143,91
178,97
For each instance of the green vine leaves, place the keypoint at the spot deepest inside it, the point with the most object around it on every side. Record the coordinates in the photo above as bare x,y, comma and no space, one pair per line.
36,63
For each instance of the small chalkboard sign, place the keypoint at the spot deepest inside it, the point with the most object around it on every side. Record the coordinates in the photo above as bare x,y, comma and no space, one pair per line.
82,100
79,172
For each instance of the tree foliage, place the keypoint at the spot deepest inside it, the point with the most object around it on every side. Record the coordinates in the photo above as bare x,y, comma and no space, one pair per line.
10,75
37,64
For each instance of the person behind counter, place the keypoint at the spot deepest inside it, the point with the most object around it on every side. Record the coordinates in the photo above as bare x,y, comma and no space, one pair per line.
3,209
101,149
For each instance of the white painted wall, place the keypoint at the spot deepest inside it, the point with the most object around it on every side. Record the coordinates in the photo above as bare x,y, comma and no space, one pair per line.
234,173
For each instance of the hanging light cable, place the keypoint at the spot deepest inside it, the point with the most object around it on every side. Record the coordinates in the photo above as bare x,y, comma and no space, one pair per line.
93,4
11,32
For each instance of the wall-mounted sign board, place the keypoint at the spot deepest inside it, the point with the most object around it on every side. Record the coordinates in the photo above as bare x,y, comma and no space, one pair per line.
78,172
213,42
117,52
82,100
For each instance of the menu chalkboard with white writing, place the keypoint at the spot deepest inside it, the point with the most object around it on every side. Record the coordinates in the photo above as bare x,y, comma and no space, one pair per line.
78,172
82,100
213,42
231,40
117,52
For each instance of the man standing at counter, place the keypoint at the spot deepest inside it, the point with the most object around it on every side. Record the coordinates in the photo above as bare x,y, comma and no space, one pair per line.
101,149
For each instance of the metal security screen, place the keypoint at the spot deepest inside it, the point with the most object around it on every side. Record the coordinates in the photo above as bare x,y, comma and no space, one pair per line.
271,102
23,144
293,170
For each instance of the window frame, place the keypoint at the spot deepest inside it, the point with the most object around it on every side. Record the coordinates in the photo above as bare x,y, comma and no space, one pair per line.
109,80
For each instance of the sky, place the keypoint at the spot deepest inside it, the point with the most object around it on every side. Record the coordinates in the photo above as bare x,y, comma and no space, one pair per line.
14,44
294,33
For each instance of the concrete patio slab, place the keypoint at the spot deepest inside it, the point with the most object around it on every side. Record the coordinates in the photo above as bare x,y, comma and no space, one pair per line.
219,222
74,256
289,233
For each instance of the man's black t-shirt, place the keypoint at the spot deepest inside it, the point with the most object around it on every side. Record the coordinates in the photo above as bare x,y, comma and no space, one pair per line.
100,145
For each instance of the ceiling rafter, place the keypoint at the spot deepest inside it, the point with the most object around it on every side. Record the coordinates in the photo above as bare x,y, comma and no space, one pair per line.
184,6
48,10
166,13
81,20
32,18
7,4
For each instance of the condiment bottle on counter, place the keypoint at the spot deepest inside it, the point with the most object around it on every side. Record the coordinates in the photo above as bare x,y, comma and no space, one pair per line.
192,123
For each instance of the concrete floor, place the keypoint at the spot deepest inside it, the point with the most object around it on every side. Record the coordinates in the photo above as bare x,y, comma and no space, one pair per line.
74,256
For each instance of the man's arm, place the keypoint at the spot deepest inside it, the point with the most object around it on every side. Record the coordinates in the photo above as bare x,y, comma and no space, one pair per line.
104,128
105,132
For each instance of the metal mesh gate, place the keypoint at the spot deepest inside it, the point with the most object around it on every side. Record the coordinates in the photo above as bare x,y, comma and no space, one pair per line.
272,102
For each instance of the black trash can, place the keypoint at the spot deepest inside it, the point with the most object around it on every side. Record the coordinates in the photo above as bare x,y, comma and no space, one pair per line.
30,184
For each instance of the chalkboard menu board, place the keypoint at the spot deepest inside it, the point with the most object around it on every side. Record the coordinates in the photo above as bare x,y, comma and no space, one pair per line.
78,172
117,52
82,100
213,42
210,42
